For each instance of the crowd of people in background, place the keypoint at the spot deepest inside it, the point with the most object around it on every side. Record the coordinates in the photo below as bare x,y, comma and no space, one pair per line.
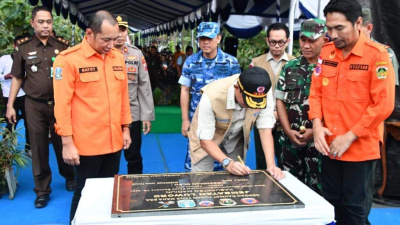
165,66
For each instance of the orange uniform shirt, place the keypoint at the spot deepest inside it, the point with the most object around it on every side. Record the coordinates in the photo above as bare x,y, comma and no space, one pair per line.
175,57
91,99
354,93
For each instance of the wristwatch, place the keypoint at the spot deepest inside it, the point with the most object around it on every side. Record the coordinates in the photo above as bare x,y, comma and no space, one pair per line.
226,161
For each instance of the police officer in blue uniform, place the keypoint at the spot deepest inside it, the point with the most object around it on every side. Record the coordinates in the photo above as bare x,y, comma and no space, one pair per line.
200,69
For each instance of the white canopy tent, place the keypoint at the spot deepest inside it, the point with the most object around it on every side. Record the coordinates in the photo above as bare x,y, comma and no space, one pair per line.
242,18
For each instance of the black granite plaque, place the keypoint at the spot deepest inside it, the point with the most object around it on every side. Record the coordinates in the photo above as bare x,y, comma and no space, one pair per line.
205,192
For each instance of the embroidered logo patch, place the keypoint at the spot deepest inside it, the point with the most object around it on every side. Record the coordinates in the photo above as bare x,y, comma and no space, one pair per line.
318,70
381,72
144,63
261,89
325,81
131,69
332,55
132,57
58,73
381,63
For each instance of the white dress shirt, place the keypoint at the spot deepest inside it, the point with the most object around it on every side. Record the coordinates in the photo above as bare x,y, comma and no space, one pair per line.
5,68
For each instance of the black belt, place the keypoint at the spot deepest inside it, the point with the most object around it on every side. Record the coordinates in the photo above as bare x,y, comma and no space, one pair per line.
48,102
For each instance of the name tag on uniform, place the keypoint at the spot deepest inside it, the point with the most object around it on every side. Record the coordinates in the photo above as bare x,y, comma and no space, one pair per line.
359,67
132,62
117,68
32,57
222,120
329,63
87,69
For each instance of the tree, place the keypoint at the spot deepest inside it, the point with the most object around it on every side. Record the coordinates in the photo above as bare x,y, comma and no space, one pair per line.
15,18
253,47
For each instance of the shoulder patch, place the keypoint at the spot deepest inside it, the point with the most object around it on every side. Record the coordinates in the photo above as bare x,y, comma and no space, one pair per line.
329,43
23,40
114,50
62,40
132,46
377,46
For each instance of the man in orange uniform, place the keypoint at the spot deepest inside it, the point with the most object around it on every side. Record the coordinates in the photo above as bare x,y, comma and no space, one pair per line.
92,103
352,92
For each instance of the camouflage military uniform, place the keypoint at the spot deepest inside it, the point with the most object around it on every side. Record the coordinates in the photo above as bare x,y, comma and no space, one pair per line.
197,72
293,88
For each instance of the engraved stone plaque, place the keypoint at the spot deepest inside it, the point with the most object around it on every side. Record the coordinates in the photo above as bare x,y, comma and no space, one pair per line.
203,192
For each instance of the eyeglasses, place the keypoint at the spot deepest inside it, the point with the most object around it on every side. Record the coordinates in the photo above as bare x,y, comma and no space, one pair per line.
280,43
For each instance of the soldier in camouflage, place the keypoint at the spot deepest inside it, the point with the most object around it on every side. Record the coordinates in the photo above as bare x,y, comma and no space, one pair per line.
200,69
299,155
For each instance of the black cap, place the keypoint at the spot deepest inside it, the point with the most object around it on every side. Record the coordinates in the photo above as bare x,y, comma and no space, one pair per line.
254,84
122,19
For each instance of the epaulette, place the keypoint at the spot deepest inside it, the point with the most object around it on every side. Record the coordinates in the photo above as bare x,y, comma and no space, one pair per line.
62,40
132,46
72,49
329,43
377,46
116,50
23,40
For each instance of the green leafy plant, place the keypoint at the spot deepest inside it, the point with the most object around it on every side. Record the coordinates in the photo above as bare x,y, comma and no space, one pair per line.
169,95
255,46
15,18
12,154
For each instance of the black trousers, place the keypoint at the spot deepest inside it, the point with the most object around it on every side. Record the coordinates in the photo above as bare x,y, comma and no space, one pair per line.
133,155
260,157
40,117
97,166
19,106
346,186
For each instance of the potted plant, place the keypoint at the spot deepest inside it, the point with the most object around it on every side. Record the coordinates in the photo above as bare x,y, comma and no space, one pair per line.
12,155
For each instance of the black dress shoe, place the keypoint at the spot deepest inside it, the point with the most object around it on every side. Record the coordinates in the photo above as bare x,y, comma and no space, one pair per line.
70,185
41,201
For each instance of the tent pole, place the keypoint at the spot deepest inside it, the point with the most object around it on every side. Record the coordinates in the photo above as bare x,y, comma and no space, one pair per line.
291,25
319,9
192,39
73,35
